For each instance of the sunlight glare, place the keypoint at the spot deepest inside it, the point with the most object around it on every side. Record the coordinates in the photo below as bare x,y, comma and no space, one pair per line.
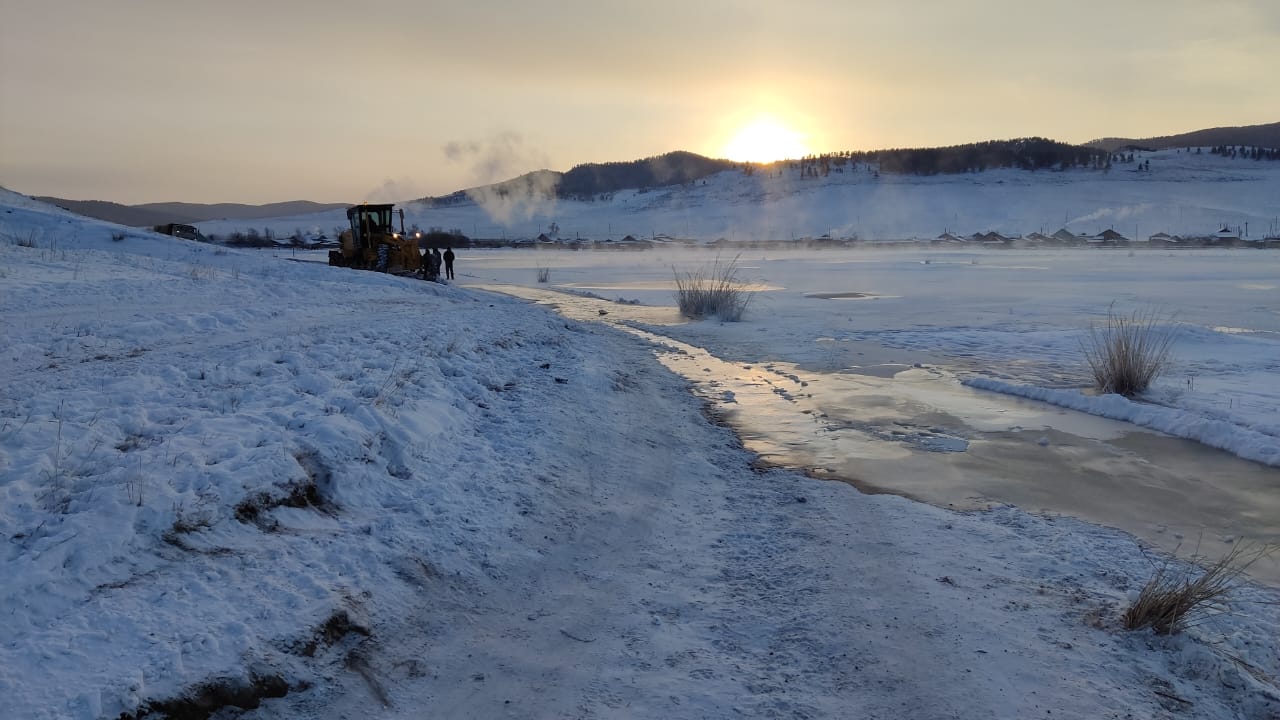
765,140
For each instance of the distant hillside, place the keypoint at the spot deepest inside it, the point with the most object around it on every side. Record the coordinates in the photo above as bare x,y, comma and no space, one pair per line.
117,213
149,214
237,211
1267,136
591,179
835,199
673,168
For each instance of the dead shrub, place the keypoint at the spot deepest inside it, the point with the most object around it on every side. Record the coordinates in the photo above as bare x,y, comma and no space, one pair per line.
1175,598
712,292
1129,352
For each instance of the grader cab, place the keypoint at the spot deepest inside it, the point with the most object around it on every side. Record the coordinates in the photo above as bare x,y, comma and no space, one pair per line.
372,242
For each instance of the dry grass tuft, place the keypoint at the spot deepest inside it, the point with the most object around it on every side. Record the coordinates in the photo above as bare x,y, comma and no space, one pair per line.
1174,599
1129,352
714,292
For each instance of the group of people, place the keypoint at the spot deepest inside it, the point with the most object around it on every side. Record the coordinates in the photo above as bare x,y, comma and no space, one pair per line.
432,260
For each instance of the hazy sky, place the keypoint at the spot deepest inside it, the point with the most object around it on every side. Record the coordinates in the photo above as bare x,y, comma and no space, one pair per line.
238,101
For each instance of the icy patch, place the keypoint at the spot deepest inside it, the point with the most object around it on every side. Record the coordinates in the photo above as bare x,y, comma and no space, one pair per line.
841,295
940,443
1242,331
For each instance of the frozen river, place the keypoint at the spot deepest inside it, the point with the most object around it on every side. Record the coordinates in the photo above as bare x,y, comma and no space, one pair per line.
849,366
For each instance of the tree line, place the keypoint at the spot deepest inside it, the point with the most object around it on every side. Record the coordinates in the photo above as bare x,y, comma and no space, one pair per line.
1248,153
1023,153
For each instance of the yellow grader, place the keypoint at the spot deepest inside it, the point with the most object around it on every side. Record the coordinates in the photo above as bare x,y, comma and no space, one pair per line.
372,243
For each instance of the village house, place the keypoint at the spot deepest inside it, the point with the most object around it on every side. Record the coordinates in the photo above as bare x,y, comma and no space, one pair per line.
1066,237
1106,238
1226,237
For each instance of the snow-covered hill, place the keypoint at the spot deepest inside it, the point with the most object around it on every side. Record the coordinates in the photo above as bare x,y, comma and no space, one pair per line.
1182,193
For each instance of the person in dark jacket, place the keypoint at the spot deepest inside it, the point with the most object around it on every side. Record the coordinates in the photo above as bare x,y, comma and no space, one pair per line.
432,262
448,263
426,264
437,262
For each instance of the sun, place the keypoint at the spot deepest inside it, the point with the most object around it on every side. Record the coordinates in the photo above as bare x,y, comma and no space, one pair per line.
764,140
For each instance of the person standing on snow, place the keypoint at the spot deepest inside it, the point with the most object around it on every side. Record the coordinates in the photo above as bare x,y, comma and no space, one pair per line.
436,262
426,264
448,263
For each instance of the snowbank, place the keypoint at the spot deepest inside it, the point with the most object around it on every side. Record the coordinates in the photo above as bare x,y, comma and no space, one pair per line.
1222,434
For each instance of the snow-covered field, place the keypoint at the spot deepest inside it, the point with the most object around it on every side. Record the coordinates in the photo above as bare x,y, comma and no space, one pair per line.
230,474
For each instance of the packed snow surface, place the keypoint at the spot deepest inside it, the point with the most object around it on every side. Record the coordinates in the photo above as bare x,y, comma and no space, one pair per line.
228,475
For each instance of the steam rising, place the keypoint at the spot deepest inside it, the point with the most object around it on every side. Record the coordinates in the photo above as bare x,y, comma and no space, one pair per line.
1117,213
394,190
494,160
